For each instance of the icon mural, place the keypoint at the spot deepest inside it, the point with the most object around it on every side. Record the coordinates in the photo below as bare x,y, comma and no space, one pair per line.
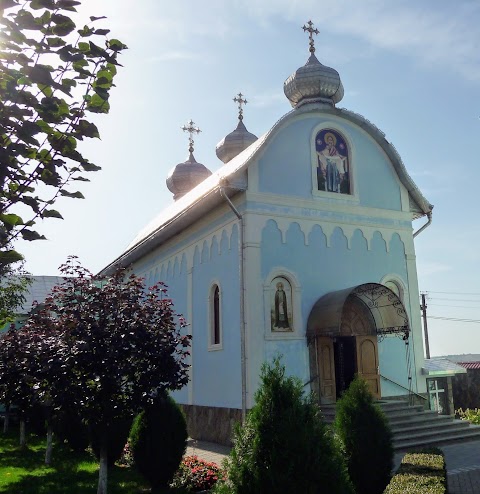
333,167
281,305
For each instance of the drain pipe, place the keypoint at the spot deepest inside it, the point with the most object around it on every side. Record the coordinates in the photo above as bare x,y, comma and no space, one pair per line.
428,223
242,303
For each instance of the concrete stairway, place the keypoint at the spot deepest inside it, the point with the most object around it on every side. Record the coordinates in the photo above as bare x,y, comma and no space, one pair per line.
413,427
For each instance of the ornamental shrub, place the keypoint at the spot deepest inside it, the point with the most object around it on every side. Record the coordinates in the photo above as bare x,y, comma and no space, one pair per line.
158,440
196,475
284,446
472,415
367,439
420,472
117,432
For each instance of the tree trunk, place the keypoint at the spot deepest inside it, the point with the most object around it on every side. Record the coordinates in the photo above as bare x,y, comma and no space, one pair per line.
6,421
48,451
103,472
23,440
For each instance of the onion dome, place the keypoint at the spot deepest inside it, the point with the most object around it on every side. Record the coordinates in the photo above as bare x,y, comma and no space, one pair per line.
313,82
238,140
185,176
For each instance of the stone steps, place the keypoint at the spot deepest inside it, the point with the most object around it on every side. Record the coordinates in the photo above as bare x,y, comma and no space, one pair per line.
414,427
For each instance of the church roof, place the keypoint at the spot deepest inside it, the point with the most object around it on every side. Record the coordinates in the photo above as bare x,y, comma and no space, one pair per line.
205,196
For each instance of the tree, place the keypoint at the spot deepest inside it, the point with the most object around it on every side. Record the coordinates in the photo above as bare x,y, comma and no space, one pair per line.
121,345
367,439
14,283
284,446
51,75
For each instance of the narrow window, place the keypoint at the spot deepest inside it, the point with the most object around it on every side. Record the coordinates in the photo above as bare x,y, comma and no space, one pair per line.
216,316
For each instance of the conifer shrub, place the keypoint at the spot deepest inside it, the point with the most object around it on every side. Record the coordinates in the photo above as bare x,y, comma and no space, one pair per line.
158,440
367,439
284,446
117,432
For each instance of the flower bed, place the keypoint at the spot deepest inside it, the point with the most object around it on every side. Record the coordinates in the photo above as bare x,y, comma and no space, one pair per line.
419,473
197,475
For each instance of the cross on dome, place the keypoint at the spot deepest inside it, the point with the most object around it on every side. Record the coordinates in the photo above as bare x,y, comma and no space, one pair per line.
241,101
311,30
191,129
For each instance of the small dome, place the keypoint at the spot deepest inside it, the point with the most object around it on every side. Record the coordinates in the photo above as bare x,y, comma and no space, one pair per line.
313,82
185,176
234,143
238,140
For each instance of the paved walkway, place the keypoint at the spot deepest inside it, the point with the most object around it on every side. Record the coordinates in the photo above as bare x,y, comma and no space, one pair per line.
462,459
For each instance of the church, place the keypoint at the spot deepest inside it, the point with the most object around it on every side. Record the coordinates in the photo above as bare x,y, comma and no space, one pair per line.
301,246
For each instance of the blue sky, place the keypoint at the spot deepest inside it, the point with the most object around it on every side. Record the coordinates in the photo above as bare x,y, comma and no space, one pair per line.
412,68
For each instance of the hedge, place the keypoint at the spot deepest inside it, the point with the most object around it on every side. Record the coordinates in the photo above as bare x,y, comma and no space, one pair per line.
421,472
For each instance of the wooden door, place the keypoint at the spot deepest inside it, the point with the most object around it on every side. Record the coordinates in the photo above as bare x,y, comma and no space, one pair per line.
367,362
326,366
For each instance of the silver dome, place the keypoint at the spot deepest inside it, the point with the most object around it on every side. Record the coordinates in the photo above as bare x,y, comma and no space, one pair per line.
185,176
234,143
313,82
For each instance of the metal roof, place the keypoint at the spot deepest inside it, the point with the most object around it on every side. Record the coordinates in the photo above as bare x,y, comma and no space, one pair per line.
470,365
206,196
442,367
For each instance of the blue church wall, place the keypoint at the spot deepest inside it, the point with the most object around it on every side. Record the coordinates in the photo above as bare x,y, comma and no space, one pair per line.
285,168
320,269
217,380
213,259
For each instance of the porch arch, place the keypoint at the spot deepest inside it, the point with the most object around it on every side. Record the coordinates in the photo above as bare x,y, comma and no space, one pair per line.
355,317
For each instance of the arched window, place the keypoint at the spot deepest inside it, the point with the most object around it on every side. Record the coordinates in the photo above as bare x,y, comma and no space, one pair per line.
215,338
396,288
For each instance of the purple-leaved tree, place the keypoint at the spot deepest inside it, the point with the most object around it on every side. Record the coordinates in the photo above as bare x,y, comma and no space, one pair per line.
119,344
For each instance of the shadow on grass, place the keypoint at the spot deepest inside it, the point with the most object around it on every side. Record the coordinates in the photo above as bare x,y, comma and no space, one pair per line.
121,481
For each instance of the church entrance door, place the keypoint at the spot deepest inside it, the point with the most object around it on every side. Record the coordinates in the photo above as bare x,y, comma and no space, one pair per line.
326,359
367,362
342,335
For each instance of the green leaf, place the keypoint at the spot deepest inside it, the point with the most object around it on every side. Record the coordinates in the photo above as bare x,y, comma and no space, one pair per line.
31,235
93,18
90,167
55,42
102,32
68,4
9,257
87,129
86,31
77,194
42,4
116,45
11,219
63,25
97,104
52,213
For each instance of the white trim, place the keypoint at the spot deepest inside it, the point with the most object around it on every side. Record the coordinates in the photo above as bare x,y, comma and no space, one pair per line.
353,196
394,278
298,330
210,316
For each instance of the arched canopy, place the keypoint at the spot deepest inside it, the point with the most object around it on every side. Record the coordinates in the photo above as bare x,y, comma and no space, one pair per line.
386,309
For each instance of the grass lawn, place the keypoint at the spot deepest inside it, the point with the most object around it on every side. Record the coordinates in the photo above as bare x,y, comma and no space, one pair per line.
24,472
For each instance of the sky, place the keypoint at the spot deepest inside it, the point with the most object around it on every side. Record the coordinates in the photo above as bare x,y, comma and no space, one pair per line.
412,68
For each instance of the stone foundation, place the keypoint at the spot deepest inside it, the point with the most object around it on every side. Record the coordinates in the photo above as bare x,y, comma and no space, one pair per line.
211,423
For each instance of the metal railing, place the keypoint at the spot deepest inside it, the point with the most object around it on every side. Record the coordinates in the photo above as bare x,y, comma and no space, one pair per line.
410,391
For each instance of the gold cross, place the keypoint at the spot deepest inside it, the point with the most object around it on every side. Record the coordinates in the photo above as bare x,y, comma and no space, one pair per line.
311,32
191,129
239,99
